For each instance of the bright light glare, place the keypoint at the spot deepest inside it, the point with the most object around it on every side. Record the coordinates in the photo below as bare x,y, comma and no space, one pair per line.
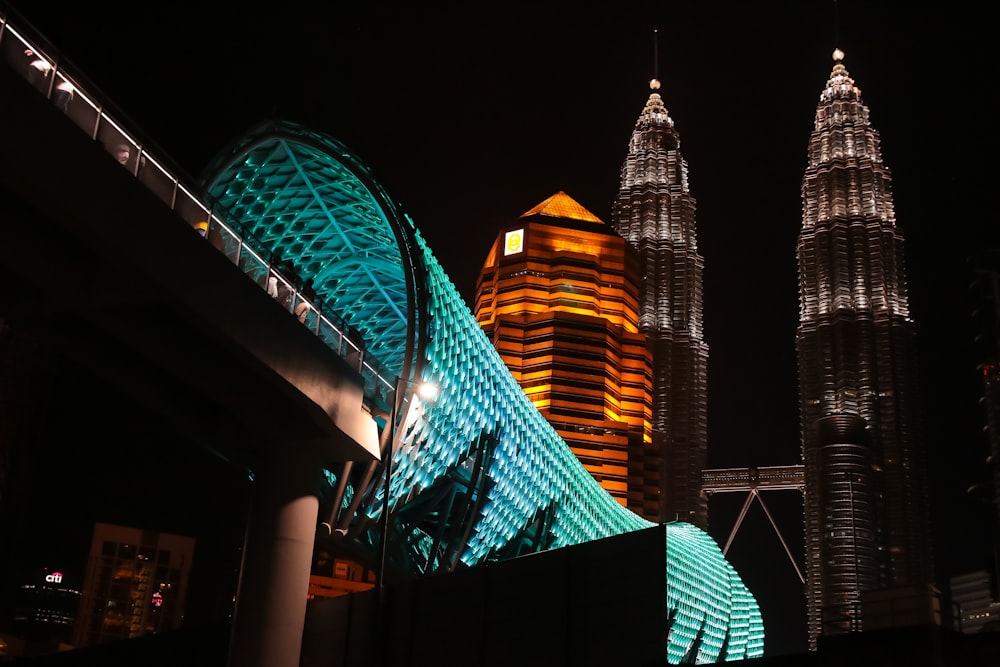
427,391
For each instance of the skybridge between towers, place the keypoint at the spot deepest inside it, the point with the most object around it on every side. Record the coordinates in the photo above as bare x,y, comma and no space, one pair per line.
288,290
753,481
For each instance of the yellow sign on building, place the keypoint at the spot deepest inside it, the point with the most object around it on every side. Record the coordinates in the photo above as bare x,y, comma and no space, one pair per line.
513,242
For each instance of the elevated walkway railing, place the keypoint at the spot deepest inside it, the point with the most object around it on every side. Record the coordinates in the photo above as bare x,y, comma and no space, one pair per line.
26,51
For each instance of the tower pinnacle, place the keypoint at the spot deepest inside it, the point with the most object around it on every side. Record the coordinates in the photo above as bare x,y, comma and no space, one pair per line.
655,213
858,377
656,60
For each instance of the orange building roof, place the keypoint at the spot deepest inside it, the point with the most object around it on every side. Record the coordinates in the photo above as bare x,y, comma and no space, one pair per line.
561,205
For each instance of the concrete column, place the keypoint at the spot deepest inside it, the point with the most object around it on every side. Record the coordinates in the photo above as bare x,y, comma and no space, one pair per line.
278,549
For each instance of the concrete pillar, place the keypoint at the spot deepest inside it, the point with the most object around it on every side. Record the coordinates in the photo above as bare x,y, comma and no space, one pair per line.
271,599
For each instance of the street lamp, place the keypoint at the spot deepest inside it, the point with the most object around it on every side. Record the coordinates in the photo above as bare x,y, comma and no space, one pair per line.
427,392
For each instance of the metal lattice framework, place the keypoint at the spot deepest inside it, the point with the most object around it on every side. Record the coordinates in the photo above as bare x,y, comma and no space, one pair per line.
478,475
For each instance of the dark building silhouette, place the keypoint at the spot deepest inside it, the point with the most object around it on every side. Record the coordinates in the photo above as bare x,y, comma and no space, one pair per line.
986,317
866,515
655,213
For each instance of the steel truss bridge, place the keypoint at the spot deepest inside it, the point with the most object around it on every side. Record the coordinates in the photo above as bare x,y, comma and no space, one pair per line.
753,481
478,475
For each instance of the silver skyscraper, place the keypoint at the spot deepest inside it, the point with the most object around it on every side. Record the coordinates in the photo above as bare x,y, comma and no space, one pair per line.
866,516
655,213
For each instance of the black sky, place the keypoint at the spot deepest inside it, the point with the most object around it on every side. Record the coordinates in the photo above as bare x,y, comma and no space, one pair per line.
471,115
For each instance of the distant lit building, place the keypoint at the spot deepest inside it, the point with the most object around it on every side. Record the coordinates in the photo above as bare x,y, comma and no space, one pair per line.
655,213
135,584
45,610
332,577
866,514
978,608
986,317
558,296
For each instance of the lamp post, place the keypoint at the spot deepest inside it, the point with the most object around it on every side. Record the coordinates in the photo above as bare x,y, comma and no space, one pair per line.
426,391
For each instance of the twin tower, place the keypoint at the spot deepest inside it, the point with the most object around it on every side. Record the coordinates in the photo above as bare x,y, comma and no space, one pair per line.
602,327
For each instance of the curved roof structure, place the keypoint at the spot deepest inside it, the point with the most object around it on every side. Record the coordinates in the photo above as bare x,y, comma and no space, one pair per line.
314,205
478,474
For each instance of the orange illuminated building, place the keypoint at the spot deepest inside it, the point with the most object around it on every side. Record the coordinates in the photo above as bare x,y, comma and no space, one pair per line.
332,577
558,296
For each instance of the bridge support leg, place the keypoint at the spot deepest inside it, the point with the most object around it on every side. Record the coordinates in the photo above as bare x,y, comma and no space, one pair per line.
274,581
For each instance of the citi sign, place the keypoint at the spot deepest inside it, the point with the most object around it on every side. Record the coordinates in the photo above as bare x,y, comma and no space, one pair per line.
54,578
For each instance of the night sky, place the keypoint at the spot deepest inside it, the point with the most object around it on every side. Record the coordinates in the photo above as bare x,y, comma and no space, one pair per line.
471,116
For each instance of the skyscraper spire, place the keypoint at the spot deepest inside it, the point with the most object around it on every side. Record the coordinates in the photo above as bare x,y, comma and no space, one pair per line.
655,213
656,56
866,518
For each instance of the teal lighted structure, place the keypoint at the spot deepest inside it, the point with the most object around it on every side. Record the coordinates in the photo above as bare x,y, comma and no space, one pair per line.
478,475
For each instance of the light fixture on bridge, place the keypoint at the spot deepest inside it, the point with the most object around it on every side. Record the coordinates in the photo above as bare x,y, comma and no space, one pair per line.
425,390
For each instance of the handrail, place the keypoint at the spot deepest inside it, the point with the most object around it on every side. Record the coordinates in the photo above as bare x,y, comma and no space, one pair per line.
28,53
